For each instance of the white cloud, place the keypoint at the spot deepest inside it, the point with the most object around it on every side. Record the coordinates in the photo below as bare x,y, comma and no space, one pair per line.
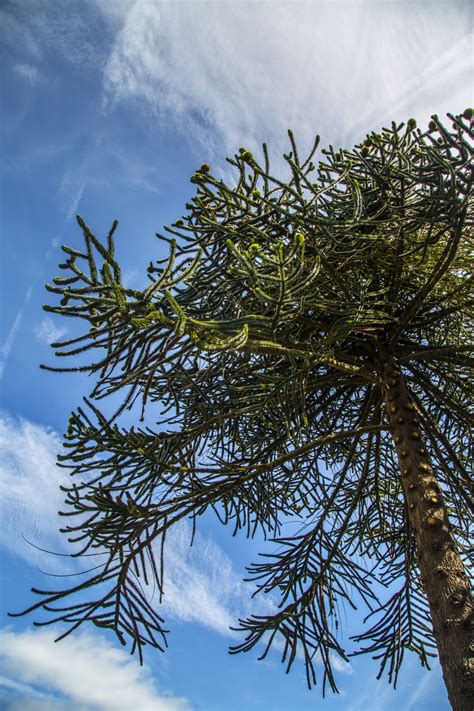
244,72
340,665
28,72
201,584
29,490
105,679
47,332
9,341
5,350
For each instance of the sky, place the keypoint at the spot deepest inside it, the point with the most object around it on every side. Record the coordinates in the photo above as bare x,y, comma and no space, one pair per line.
108,107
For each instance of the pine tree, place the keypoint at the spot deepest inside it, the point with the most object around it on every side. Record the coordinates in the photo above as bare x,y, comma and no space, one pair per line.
304,352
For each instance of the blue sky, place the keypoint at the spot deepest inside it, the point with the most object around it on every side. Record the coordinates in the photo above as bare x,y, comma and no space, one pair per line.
108,107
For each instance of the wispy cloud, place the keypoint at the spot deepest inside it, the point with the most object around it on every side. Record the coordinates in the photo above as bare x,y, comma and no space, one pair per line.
28,72
201,584
340,665
9,341
133,170
240,73
5,350
15,34
421,689
105,680
80,35
47,332
416,689
71,190
29,491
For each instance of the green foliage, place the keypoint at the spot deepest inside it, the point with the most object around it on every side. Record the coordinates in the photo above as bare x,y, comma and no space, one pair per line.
262,341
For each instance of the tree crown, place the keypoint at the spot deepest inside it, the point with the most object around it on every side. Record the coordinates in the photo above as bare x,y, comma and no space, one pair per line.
262,344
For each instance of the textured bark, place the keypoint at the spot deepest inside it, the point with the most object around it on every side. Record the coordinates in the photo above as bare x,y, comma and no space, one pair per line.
443,574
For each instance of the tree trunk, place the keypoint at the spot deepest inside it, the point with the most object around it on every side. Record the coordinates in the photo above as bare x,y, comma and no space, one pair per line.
443,574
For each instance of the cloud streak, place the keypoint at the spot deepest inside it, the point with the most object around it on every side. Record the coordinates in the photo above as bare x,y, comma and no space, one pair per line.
5,350
107,680
71,191
9,341
421,689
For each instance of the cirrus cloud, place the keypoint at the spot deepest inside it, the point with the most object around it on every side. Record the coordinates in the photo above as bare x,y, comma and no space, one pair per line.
246,71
